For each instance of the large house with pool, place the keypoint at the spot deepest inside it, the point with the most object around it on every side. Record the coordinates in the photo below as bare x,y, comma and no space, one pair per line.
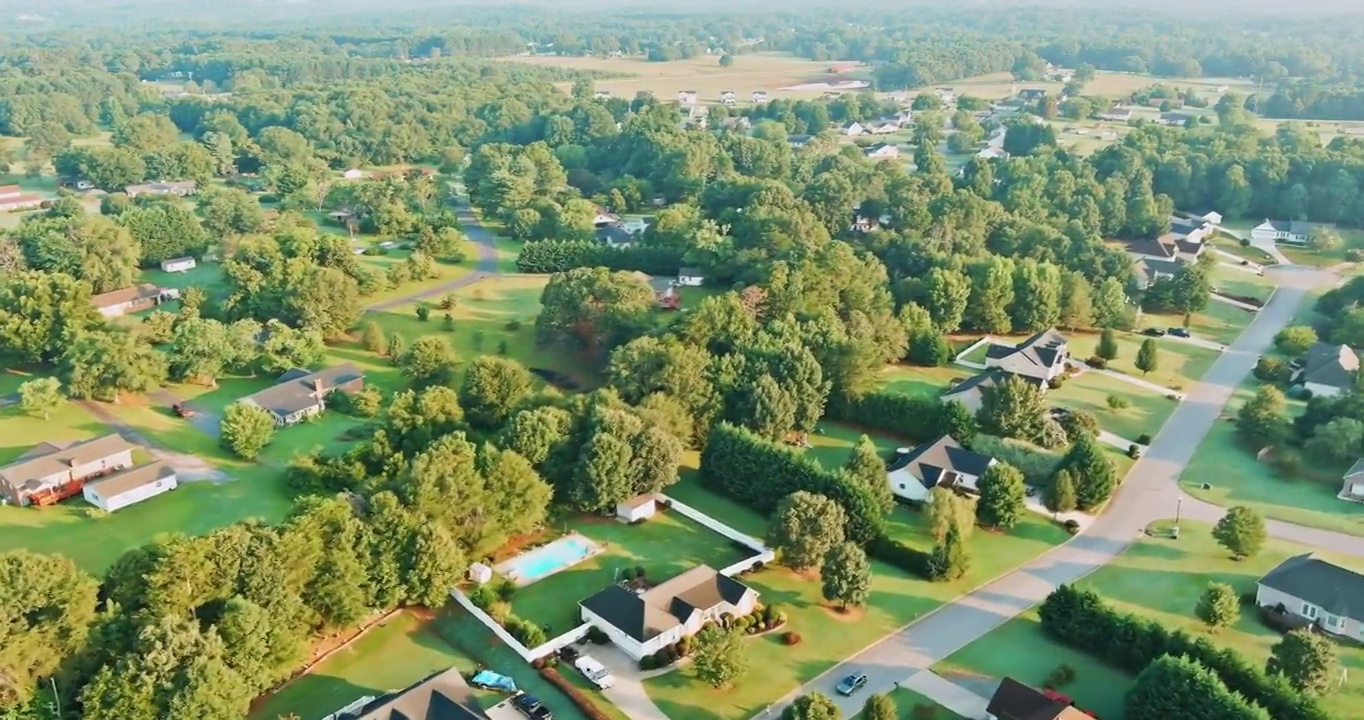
641,624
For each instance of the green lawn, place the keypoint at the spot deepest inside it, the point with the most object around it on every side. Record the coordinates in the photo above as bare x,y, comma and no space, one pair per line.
977,355
1089,391
20,432
207,276
927,382
1160,579
834,441
1178,364
1230,244
907,703
446,272
665,545
1241,283
828,637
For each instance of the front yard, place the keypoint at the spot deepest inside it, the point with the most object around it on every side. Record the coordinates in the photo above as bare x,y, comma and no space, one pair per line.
1089,391
664,545
1229,281
1156,578
1179,365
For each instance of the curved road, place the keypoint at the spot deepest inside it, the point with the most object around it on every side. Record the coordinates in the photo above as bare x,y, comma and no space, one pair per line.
485,242
1149,493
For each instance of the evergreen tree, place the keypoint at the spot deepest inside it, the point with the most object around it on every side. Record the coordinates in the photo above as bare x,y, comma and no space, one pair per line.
1060,495
1003,497
950,558
869,470
1146,356
1108,345
1219,606
846,575
1093,473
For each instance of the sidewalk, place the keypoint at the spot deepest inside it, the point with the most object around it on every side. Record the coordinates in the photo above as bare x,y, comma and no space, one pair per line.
947,694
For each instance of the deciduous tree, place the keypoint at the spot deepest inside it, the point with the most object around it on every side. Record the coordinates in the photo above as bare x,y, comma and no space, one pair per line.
492,388
804,527
1241,531
1263,420
41,396
846,575
246,430
719,659
1308,660
814,706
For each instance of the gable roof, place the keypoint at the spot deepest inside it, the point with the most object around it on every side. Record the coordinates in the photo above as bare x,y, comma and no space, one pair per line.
1356,469
438,697
1152,268
980,382
299,389
935,461
1337,590
1332,365
667,605
121,482
142,291
1015,701
51,458
1033,357
614,234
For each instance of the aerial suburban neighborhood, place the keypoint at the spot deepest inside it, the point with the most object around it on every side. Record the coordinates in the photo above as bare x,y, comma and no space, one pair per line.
397,361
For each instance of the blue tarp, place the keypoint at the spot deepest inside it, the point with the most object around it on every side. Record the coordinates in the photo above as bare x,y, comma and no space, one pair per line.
490,679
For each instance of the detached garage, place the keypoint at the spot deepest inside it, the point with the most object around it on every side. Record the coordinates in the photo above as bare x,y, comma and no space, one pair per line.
129,487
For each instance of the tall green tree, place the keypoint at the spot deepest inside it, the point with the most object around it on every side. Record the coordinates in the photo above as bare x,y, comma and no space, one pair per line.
40,396
47,606
1003,497
104,364
719,659
804,527
950,559
1093,473
1147,359
1218,606
1263,420
1108,345
1241,531
1060,495
246,430
846,575
869,470
1308,660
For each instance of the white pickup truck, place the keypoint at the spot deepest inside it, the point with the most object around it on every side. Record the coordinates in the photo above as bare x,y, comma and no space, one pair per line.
595,671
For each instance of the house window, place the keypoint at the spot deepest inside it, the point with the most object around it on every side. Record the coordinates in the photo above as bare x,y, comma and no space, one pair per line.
1332,622
1309,611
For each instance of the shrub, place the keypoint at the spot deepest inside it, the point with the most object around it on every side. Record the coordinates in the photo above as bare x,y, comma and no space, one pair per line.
759,565
1072,526
790,638
1056,382
1096,362
1078,423
1245,243
525,632
1060,677
597,636
648,662
769,612
628,574
1134,451
1116,402
584,703
483,597
506,590
1144,438
513,325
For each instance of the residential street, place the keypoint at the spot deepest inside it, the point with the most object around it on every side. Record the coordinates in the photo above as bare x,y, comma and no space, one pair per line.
484,240
1150,492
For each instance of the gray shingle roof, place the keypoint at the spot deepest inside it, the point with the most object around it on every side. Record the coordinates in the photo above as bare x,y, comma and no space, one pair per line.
1033,357
1337,590
298,389
1333,365
931,461
666,605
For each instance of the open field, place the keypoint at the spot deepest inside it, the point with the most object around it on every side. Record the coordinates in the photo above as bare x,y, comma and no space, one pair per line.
1160,579
1089,391
665,545
768,72
1240,283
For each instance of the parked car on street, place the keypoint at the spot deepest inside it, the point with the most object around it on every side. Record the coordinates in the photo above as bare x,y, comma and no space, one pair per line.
1179,332
531,707
851,684
595,671
1153,332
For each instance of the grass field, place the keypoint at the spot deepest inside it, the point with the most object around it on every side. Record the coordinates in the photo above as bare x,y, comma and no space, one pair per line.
665,546
1179,364
1160,579
1230,244
896,599
908,702
1089,391
769,72
1240,283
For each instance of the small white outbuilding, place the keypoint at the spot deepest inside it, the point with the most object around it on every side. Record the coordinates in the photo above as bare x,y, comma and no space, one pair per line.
638,508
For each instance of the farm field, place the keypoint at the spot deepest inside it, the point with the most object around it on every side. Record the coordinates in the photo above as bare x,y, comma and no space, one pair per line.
768,72
1160,579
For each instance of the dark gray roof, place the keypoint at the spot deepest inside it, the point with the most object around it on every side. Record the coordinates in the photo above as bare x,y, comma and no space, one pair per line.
1033,357
1015,701
1333,365
1337,590
1152,268
299,389
438,697
666,605
1032,93
931,462
614,235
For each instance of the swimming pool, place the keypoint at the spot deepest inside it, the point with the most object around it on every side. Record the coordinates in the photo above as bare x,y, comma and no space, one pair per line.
546,560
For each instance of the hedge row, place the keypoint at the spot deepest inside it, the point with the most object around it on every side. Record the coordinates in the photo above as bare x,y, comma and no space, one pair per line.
1081,619
551,256
1180,687
917,418
759,473
897,554
586,704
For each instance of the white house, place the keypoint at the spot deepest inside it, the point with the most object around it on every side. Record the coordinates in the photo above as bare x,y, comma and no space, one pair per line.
852,129
759,97
129,487
635,225
353,174
642,624
51,471
1292,232
728,97
176,265
941,463
1116,114
1328,370
883,151
604,217
946,94
686,97
637,509
884,127
1041,356
691,277
1330,596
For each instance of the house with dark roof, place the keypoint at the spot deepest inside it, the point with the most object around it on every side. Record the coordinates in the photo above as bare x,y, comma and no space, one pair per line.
1327,594
1184,242
1042,356
614,235
971,391
1148,271
1031,94
51,471
644,623
442,696
913,473
299,394
1174,119
1015,701
1328,370
1288,232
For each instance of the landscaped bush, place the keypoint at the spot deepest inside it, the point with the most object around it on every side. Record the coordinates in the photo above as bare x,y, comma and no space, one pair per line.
506,589
896,553
597,636
1079,422
1060,677
758,473
790,638
628,574
483,597
1096,362
580,699
1081,619
917,418
684,646
525,631
648,662
1072,526
1144,438
1116,402
1134,451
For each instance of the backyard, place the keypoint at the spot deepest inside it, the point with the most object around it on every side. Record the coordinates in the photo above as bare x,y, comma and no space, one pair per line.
665,545
928,382
1160,579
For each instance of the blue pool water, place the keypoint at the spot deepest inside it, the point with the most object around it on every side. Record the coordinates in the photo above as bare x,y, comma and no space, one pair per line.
548,559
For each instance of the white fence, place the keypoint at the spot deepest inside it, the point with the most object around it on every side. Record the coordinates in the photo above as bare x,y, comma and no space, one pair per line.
968,363
528,654
764,553
352,708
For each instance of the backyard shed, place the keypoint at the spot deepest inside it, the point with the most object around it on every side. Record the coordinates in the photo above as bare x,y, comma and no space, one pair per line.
636,509
182,264
480,573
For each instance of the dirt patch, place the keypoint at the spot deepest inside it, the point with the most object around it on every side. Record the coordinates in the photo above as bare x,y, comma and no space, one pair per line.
848,615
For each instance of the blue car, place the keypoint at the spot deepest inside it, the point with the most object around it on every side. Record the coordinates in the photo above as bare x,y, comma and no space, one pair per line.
851,683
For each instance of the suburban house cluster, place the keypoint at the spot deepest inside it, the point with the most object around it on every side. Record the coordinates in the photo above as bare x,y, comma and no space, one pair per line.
101,470
643,623
1037,360
1161,257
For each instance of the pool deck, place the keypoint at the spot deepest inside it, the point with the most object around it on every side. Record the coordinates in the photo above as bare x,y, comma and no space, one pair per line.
509,568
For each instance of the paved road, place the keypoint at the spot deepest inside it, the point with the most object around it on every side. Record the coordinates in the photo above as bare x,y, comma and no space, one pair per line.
1150,492
485,242
188,468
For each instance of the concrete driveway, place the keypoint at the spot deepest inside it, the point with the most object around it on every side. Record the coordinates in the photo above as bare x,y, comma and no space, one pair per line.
628,693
